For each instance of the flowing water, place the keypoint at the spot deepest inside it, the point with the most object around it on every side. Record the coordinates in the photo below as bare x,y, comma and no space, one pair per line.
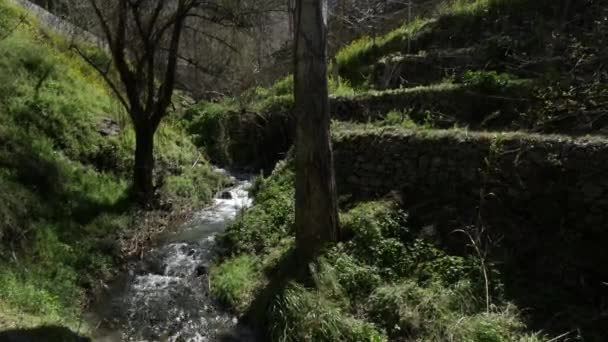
165,297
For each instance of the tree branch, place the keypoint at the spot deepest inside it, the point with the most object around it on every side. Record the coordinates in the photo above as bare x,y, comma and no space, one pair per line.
104,75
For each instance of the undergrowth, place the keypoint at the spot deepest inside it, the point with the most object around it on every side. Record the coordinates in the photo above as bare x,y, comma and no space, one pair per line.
385,281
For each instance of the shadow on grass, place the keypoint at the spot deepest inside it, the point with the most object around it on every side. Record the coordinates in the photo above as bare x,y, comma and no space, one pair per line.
42,334
557,280
50,180
257,316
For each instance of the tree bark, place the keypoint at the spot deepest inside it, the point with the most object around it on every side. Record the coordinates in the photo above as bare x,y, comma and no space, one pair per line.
143,182
316,217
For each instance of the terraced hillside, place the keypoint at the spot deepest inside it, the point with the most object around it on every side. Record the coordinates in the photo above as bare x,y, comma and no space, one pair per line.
483,115
553,51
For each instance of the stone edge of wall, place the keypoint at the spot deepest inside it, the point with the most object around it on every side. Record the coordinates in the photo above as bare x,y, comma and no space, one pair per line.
549,193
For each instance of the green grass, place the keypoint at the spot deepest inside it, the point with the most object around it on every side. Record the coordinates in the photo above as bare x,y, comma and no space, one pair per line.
384,282
456,22
235,281
366,50
64,188
301,314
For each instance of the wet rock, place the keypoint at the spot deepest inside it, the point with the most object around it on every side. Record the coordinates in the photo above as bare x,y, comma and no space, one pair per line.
226,195
153,267
201,270
108,127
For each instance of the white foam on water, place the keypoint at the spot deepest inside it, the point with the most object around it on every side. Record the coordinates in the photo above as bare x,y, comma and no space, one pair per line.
154,282
176,305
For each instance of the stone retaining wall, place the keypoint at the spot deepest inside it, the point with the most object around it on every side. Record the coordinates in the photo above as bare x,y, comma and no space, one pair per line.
55,23
544,197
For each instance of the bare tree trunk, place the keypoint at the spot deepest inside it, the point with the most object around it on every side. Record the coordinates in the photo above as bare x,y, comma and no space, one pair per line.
144,163
316,203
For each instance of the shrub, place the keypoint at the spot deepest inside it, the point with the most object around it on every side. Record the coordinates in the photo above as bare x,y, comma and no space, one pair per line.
488,81
283,86
384,277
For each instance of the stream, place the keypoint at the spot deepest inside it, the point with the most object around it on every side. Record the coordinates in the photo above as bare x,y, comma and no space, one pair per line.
165,296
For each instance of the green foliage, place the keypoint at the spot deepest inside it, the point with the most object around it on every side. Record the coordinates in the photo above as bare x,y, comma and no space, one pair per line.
356,278
499,326
486,80
366,50
479,7
207,123
408,310
340,87
399,118
383,238
269,220
27,293
194,186
283,86
439,313
257,122
304,315
235,281
35,82
383,278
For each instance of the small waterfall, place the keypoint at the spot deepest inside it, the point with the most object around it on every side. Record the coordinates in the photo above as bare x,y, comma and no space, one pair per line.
165,296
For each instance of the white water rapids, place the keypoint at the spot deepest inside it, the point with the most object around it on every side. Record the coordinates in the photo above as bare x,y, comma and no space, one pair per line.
165,297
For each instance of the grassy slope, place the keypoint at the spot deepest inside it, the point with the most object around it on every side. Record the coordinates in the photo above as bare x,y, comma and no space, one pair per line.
64,186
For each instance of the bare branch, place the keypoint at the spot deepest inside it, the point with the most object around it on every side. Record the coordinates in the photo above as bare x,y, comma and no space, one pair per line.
104,74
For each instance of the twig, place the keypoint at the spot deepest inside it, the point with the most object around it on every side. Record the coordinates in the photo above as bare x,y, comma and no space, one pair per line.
560,336
482,262
197,160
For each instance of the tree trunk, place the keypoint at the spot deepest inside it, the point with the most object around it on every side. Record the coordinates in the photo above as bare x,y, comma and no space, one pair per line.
144,164
316,203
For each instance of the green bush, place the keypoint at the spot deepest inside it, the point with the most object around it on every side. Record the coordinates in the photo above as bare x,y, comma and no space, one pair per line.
283,86
486,80
442,313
